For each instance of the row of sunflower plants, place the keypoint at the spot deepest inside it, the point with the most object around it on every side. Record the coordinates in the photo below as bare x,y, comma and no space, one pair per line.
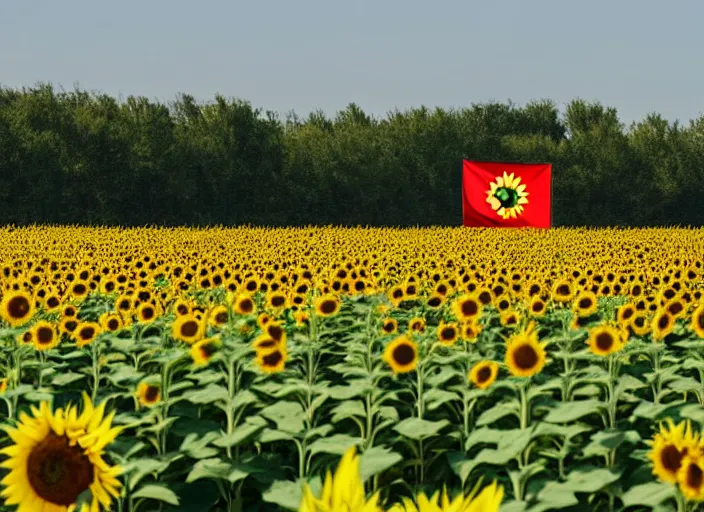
560,409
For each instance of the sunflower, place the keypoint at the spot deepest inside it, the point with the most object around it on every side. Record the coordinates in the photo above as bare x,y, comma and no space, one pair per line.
663,324
79,289
148,394
68,325
188,329
483,374
44,335
401,355
691,477
416,324
447,333
510,318
506,196
327,305
343,491
218,316
604,340
639,324
276,331
24,338
669,446
57,456
301,317
181,307
69,310
585,304
537,306
244,305
389,325
147,313
395,295
470,331
52,303
625,314
85,333
525,355
488,500
110,322
435,301
204,350
467,307
264,342
562,291
697,324
272,360
276,300
17,307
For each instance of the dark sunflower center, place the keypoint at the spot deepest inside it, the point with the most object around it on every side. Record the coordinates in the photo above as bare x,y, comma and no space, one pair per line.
45,335
563,290
272,359
208,350
484,374
525,357
404,354
671,458
221,317
508,197
448,333
695,477
152,394
675,308
276,332
328,307
604,341
627,313
389,326
190,328
397,294
434,302
538,306
266,344
18,307
79,289
52,302
585,303
469,308
277,301
663,321
87,333
148,313
182,309
700,320
113,324
246,305
57,472
639,322
71,325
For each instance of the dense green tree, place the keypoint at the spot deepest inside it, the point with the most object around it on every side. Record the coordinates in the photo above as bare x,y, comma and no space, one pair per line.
79,157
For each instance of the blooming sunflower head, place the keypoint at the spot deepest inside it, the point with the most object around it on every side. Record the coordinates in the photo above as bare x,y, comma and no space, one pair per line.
525,354
57,456
670,446
507,195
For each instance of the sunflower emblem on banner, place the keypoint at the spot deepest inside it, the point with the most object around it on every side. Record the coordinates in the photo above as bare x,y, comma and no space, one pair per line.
507,196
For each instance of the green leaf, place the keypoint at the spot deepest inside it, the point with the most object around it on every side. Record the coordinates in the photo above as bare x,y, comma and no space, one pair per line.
207,395
497,412
288,416
241,434
336,444
209,468
376,460
285,494
649,494
567,412
66,378
604,441
157,492
417,428
348,409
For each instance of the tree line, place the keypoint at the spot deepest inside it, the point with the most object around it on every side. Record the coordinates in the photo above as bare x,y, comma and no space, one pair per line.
79,157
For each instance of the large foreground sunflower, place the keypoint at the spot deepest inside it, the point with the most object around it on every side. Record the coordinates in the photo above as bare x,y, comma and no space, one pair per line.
57,456
343,492
489,500
507,196
670,446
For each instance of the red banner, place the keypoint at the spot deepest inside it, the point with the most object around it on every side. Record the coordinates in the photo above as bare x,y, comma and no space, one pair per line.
496,194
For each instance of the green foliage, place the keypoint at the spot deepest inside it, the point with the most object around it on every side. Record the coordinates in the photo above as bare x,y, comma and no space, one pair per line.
75,157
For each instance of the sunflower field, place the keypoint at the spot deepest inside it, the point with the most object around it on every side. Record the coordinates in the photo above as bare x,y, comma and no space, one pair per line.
351,369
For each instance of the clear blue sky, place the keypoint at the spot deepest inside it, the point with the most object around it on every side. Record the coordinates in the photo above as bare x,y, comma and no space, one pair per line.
639,56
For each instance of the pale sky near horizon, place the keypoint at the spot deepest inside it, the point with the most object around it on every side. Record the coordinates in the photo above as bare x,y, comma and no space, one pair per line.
639,56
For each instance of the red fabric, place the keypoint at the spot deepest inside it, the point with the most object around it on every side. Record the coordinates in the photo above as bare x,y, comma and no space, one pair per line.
476,180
